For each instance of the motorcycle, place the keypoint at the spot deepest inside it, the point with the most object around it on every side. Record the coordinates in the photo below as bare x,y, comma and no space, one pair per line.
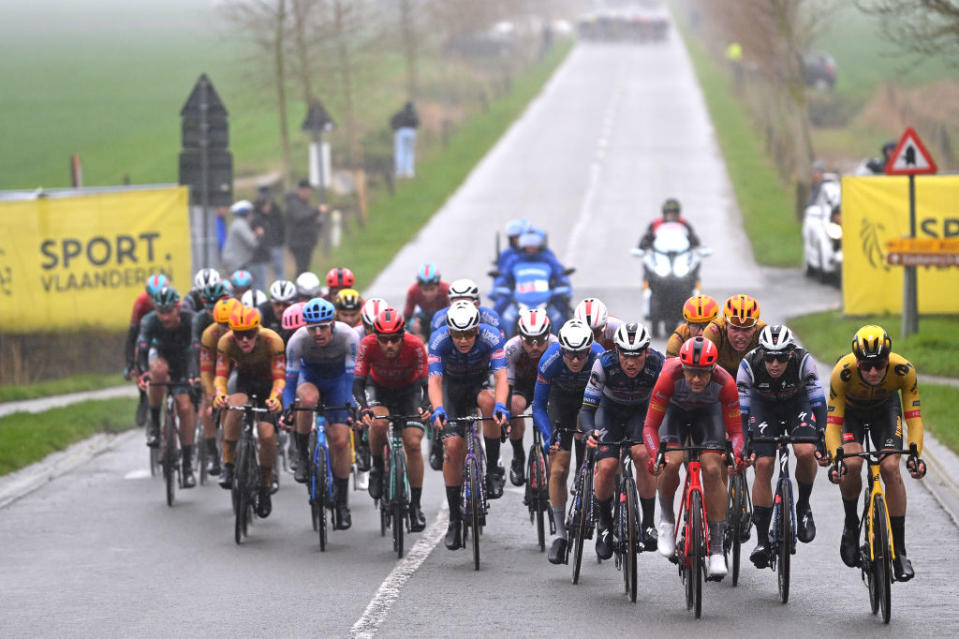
533,289
672,272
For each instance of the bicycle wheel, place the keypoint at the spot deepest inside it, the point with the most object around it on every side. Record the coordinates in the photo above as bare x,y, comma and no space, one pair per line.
632,516
883,558
537,479
697,549
252,485
584,499
399,500
473,505
169,459
200,452
242,496
734,516
785,540
322,493
315,512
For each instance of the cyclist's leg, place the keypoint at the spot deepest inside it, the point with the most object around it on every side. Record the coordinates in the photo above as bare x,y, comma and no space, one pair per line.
673,432
887,435
232,425
376,397
799,418
763,424
564,411
645,482
159,372
307,396
709,430
518,403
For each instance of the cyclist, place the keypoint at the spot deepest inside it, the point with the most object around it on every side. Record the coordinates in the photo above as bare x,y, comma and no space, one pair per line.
254,298
461,357
592,312
390,378
242,282
523,353
320,361
371,310
698,312
282,295
142,305
193,301
464,289
532,246
514,228
865,388
203,317
336,280
208,341
561,378
736,332
778,381
308,286
349,307
165,354
429,293
694,399
256,354
614,408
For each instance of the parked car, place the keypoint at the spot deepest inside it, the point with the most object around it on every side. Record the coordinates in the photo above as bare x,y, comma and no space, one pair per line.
819,70
822,234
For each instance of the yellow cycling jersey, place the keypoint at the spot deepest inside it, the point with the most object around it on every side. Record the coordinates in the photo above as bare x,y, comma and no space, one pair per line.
848,388
729,357
677,339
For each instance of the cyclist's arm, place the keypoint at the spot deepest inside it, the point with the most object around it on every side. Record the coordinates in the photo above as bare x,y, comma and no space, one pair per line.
360,375
292,367
143,343
540,400
410,306
714,333
675,343
592,396
906,373
729,399
744,382
835,409
658,401
500,386
817,398
129,348
222,366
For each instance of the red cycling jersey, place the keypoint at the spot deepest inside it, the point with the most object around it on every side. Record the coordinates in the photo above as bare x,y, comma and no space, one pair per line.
414,298
142,306
671,388
401,371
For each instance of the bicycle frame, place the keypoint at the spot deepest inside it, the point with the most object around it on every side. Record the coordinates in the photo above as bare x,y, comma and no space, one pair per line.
693,483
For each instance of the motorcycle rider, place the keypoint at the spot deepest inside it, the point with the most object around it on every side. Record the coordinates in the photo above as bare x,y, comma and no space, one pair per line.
532,246
671,214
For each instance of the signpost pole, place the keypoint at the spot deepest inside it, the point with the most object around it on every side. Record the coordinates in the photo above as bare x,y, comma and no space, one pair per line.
910,297
204,180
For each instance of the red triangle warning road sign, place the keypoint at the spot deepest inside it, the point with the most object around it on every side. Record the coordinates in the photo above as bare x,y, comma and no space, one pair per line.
910,157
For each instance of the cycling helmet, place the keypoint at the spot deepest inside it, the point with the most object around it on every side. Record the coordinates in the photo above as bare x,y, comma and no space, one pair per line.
700,309
340,278
372,308
741,310
293,317
575,335
155,282
462,316
631,337
166,297
517,227
671,205
213,292
698,352
532,239
318,311
229,286
254,297
205,277
241,279
283,291
464,288
245,318
308,285
428,274
871,342
533,322
389,322
348,299
243,207
592,312
224,308
775,339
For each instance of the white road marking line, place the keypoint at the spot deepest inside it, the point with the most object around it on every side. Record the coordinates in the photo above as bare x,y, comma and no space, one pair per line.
388,592
138,474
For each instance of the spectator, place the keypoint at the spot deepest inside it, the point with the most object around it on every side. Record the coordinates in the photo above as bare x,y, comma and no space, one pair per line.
815,185
303,224
220,223
404,123
267,214
241,239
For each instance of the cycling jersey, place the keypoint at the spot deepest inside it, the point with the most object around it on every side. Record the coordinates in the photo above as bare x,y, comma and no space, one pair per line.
554,380
520,367
397,381
610,386
606,339
176,345
487,316
849,393
677,339
729,357
330,368
270,320
263,365
673,391
415,299
201,321
360,330
141,306
208,343
487,355
800,376
193,301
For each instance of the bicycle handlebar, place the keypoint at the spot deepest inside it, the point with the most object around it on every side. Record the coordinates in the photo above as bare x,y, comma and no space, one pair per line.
878,455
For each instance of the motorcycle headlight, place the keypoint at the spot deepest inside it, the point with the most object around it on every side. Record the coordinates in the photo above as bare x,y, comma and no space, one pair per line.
834,231
662,266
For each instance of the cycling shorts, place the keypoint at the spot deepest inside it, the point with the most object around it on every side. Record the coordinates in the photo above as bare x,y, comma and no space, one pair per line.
177,367
766,420
525,391
399,401
563,409
251,387
459,400
617,423
702,426
885,424
336,391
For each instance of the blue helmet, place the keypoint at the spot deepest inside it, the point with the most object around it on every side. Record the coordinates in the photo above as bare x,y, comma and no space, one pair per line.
428,274
516,227
241,279
532,239
318,311
155,282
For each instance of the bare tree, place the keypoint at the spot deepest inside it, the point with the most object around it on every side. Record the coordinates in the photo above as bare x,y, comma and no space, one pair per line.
409,35
301,20
925,27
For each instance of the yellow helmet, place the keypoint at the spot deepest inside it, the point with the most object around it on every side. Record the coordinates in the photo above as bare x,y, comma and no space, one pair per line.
348,299
700,309
741,310
224,308
871,342
245,318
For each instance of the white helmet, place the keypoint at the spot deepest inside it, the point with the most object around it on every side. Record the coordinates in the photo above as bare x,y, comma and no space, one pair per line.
775,339
464,288
631,337
462,316
372,308
283,291
205,277
253,298
592,312
308,285
533,322
575,336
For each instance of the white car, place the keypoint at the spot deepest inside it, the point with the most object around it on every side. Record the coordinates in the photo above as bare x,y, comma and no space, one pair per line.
822,234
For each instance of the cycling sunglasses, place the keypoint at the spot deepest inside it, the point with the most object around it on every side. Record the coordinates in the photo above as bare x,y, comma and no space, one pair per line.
313,328
874,365
744,323
464,334
166,308
246,335
631,354
389,339
532,341
782,358
577,355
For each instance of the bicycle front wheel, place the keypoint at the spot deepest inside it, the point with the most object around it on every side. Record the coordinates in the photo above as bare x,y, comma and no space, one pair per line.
241,494
473,506
399,500
322,494
584,506
697,550
785,524
734,524
536,481
882,557
632,517
169,459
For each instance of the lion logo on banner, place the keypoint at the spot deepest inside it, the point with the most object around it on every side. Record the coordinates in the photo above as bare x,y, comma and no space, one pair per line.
872,247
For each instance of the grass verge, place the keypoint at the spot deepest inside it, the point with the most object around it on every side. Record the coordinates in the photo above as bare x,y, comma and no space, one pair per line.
26,438
939,413
766,204
71,384
393,221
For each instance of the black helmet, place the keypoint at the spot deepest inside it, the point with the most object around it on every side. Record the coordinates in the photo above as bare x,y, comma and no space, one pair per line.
671,206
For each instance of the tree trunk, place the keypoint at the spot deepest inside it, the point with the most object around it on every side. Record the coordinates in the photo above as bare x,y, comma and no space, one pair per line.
280,79
408,32
344,63
300,11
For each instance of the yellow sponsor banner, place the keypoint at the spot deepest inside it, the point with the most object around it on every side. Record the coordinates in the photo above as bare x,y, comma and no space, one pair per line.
81,260
875,211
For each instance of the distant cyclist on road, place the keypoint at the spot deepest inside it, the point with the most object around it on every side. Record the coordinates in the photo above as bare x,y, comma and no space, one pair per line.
698,312
593,312
428,294
736,332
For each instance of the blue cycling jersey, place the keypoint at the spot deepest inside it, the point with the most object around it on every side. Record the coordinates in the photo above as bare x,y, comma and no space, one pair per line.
609,385
553,371
331,365
487,316
486,356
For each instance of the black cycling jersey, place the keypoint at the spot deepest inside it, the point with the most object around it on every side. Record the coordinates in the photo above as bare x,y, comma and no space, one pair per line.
176,346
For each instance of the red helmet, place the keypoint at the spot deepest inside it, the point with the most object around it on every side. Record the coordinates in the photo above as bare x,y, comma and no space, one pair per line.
389,322
698,352
340,278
